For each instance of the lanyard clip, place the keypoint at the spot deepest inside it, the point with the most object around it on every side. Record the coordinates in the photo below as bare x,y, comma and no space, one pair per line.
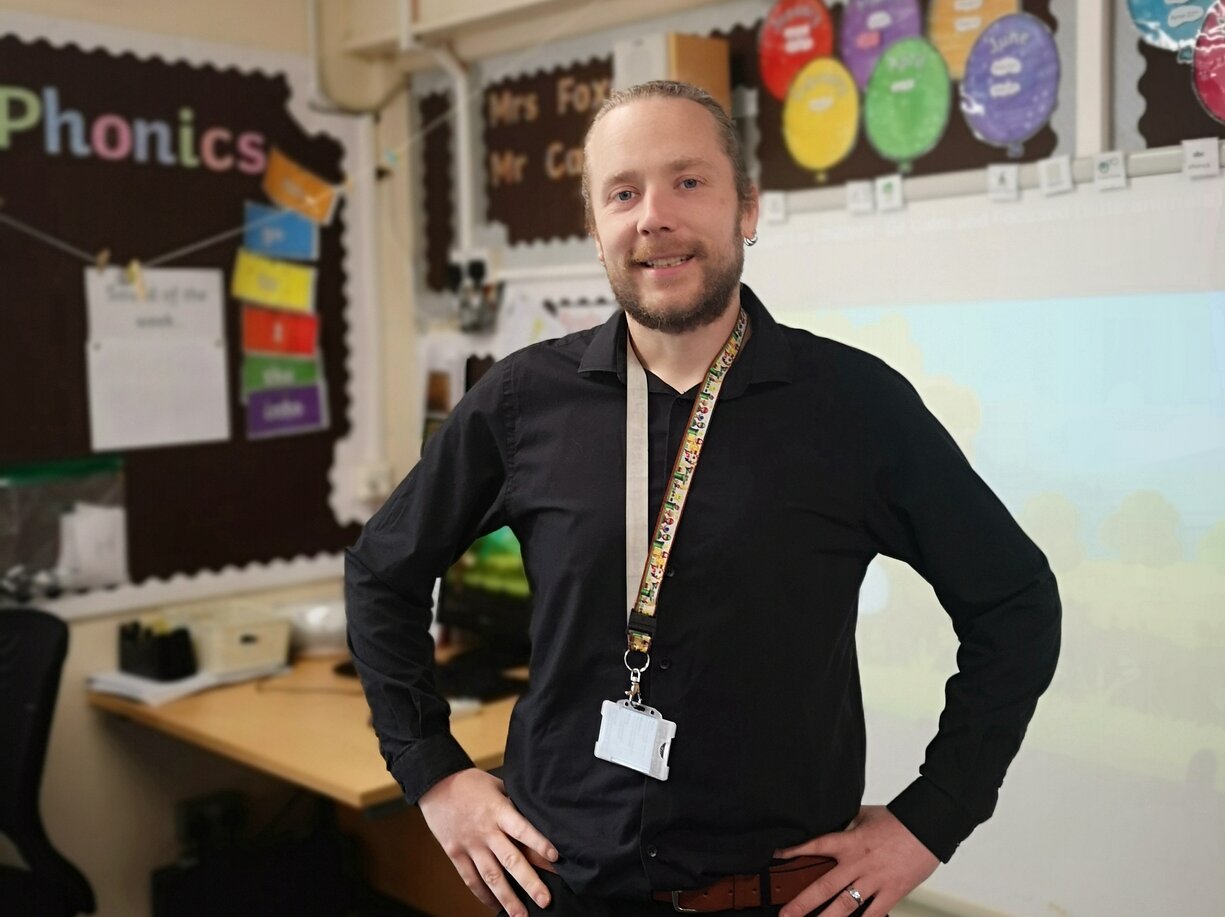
635,691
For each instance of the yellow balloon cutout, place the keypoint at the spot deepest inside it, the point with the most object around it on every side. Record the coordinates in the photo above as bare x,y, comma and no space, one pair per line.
821,115
954,25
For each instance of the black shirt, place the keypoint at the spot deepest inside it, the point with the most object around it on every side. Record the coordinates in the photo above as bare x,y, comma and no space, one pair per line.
818,458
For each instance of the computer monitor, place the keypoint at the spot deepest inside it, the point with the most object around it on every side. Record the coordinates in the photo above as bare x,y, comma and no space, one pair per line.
485,596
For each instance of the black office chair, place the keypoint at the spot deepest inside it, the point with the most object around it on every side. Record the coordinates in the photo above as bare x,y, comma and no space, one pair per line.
33,645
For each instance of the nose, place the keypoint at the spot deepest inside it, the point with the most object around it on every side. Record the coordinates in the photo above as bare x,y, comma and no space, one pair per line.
656,213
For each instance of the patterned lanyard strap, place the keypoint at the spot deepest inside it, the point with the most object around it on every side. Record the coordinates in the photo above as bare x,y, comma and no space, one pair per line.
642,618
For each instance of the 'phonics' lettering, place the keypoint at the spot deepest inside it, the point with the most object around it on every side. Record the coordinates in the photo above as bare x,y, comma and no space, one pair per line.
111,136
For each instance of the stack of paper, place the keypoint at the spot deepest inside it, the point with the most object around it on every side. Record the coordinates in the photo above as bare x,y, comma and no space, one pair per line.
152,692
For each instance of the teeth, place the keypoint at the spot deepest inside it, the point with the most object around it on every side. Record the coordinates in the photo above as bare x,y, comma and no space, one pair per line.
668,262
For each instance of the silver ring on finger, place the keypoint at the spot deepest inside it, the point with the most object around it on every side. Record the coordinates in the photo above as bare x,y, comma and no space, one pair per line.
854,893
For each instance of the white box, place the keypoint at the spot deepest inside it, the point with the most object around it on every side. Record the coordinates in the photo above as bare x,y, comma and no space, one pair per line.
234,638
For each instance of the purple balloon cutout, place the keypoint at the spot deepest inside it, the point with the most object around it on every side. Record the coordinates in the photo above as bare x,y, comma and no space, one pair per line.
871,26
1011,83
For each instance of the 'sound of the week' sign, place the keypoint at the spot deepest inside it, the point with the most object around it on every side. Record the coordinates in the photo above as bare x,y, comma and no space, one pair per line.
534,130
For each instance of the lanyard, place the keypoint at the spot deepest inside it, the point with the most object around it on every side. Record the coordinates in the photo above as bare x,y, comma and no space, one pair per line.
642,567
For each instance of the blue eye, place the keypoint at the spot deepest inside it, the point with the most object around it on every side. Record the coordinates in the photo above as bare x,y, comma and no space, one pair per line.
689,183
623,196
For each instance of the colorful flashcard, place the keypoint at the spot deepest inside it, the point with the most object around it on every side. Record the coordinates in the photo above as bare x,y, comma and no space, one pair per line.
291,186
260,372
269,331
273,283
282,411
279,233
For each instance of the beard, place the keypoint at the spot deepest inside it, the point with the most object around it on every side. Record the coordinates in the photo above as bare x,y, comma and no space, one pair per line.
720,279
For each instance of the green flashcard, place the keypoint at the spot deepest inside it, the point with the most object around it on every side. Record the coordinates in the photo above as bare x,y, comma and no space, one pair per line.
260,373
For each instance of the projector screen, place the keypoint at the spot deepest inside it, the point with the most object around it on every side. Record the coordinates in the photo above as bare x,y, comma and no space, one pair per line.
1075,349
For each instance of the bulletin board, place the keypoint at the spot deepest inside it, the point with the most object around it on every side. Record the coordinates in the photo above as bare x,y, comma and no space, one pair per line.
229,503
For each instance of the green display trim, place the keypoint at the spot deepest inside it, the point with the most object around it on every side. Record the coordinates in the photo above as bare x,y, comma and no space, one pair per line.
44,472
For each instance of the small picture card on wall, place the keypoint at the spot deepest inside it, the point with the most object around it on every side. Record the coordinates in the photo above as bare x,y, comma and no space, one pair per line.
278,233
273,283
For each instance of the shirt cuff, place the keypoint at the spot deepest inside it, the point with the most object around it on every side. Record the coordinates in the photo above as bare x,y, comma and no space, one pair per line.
933,817
426,762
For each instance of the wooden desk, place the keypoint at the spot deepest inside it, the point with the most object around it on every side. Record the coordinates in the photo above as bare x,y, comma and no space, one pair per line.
311,727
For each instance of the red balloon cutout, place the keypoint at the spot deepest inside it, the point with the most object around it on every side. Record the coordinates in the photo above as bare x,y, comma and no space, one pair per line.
794,33
1208,65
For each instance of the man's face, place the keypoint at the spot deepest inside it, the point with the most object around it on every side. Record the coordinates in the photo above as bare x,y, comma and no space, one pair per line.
668,226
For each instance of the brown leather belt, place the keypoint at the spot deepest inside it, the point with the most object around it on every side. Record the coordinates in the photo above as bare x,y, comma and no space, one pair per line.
782,882
736,893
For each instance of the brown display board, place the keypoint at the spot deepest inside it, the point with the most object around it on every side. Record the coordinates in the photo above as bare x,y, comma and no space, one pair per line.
533,148
195,507
958,150
437,177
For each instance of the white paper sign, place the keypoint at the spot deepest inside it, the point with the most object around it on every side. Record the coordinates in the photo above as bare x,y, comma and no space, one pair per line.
179,304
157,394
157,362
1201,158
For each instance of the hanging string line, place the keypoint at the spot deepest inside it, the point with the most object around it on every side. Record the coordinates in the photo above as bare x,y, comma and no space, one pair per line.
41,236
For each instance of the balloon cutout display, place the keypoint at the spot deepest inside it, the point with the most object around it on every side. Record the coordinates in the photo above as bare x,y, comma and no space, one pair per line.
1208,74
795,32
1170,24
954,26
1011,81
870,26
821,115
906,106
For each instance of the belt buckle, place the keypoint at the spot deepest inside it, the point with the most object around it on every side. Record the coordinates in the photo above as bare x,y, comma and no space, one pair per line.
676,905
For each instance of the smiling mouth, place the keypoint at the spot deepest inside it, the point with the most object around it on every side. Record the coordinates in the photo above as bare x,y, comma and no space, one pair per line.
666,262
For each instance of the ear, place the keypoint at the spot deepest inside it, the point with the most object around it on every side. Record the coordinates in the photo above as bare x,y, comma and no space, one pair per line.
599,249
748,216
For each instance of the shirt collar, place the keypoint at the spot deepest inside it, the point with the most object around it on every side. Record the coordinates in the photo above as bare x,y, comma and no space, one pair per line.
765,358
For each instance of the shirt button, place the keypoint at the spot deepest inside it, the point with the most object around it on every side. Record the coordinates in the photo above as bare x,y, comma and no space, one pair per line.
665,664
652,851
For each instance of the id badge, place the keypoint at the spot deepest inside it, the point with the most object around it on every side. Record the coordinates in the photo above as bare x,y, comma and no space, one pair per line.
636,737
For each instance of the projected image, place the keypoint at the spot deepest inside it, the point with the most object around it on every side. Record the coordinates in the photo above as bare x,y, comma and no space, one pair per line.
1101,425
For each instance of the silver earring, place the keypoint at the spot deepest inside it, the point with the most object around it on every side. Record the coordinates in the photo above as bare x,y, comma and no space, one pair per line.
750,242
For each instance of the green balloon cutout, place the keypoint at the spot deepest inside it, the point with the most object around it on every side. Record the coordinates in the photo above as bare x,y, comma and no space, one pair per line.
907,101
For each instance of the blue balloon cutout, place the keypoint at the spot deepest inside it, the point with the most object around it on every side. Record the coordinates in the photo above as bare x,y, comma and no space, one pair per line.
1170,24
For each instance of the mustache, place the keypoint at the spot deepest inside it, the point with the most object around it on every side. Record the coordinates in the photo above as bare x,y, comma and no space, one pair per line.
695,250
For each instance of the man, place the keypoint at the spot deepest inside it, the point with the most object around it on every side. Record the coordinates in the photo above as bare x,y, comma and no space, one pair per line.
816,458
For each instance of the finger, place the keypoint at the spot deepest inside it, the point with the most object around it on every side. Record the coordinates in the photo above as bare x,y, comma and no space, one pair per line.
515,863
514,824
880,906
490,871
824,889
468,872
825,845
